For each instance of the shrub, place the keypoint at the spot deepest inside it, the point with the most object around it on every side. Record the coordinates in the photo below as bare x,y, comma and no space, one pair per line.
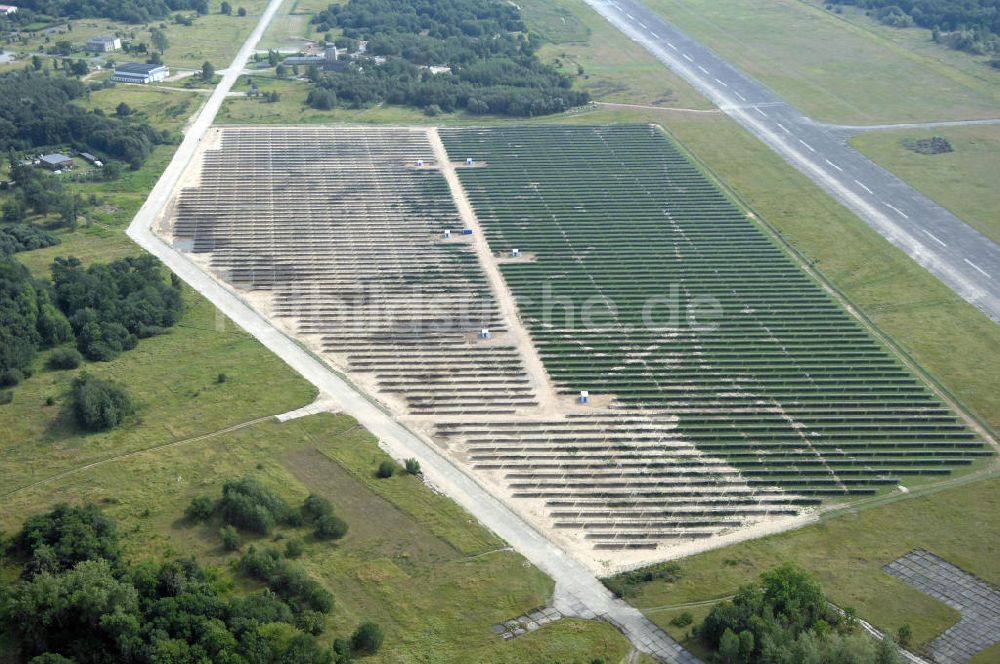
683,620
367,638
289,580
10,377
248,504
221,378
200,509
99,404
342,651
6,396
63,359
412,466
230,538
329,526
904,635
386,469
313,507
294,547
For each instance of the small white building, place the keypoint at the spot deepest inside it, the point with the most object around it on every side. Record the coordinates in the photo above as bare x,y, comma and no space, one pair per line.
7,10
104,44
137,72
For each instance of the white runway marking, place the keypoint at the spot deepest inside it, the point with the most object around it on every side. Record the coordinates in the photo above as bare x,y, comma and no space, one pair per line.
811,149
977,268
893,207
934,237
741,96
760,111
834,165
687,57
654,34
630,17
784,128
722,83
704,71
671,46
643,25
861,184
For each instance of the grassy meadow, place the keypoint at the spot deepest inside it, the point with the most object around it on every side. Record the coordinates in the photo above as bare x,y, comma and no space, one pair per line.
963,181
832,69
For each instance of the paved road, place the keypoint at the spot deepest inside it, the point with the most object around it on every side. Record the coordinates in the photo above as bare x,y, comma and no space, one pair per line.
578,591
961,257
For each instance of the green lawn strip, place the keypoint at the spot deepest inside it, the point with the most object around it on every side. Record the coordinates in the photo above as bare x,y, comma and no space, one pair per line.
846,554
434,602
831,69
963,181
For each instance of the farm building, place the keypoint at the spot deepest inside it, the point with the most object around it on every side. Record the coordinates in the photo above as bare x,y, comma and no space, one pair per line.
91,158
327,61
137,72
7,10
104,43
56,162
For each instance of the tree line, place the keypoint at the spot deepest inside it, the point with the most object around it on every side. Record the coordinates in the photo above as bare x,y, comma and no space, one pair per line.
130,11
965,25
493,67
105,308
44,115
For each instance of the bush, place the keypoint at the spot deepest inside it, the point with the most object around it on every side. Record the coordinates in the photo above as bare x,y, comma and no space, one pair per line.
289,580
99,404
63,359
200,509
385,470
6,396
230,538
412,466
221,378
294,547
367,638
248,504
313,507
10,377
683,620
329,526
342,651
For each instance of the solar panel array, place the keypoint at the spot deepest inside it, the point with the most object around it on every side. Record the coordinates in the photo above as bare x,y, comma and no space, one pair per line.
629,239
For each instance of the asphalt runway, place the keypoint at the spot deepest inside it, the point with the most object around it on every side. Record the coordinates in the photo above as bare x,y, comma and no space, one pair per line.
961,257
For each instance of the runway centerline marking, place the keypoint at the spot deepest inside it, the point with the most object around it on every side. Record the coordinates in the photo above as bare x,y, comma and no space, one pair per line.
643,25
862,185
741,96
760,111
654,34
811,148
722,83
977,268
784,128
671,46
934,237
687,57
834,165
893,207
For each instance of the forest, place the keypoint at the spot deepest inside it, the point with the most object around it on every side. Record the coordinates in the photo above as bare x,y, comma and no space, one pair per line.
44,115
106,308
492,61
785,619
109,609
965,25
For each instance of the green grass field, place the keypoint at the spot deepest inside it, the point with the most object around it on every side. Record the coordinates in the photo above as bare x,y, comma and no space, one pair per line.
832,69
213,37
412,561
963,181
846,554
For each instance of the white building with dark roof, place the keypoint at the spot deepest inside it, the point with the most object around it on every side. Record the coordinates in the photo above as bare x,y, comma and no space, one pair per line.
56,162
104,44
137,72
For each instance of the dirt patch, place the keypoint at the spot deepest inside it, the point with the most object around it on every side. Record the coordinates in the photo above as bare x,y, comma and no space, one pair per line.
929,146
